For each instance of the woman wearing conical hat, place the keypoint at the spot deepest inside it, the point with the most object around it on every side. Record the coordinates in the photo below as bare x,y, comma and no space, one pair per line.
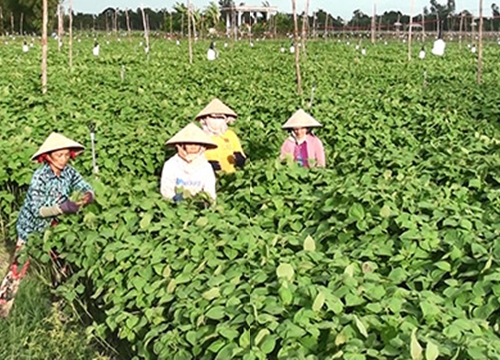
188,170
214,119
302,145
47,198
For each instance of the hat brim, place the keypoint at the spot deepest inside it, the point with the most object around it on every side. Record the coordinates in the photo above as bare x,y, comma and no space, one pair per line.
184,142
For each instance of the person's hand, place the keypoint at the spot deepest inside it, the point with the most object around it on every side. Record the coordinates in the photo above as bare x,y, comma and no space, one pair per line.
215,165
178,197
69,207
88,198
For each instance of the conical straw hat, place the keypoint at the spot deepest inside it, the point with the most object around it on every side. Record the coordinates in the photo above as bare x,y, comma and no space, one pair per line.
192,134
301,119
216,107
55,142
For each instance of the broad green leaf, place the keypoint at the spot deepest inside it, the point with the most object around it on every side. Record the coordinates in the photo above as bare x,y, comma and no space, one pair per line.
286,295
356,211
171,286
319,301
285,271
385,211
431,351
145,221
267,346
309,244
216,313
361,327
349,270
245,339
260,336
338,355
415,348
201,222
212,293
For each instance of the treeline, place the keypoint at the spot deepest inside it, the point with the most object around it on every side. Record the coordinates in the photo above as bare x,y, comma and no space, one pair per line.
24,16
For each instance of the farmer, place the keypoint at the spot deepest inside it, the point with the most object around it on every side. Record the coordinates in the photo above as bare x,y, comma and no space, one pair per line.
302,145
48,197
188,170
211,52
214,119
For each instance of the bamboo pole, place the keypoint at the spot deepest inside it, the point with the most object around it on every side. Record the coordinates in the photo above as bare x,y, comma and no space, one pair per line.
480,50
305,24
325,31
423,27
127,19
145,26
296,45
314,25
45,20
59,27
190,44
70,41
171,22
460,31
373,22
411,29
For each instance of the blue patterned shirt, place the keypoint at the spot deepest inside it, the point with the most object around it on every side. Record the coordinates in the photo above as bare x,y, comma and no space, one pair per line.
46,189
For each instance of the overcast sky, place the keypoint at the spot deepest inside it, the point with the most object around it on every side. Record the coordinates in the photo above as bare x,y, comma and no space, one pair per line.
343,8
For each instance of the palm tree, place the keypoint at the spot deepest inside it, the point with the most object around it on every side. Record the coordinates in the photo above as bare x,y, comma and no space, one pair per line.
212,14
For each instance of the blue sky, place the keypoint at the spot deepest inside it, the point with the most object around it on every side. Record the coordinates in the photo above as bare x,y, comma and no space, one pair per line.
342,8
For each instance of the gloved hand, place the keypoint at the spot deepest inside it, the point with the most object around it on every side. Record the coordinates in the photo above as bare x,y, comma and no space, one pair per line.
69,207
88,198
239,159
178,197
215,165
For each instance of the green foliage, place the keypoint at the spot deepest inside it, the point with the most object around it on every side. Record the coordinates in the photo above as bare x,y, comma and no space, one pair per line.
390,253
37,329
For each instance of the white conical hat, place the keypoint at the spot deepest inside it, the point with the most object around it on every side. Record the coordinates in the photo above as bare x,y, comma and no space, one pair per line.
216,107
55,142
301,119
192,134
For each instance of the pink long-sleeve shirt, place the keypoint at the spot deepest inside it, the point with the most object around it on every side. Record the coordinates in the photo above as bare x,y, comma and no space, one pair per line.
315,150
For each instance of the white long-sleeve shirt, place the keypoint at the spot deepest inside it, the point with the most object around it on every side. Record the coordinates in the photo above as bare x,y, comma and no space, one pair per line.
195,176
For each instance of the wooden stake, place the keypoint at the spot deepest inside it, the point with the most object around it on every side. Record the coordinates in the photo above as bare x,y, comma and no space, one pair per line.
11,23
373,22
460,30
314,25
325,31
411,29
145,26
45,20
296,45
423,27
59,27
305,24
115,21
190,44
171,23
21,26
128,23
480,50
70,41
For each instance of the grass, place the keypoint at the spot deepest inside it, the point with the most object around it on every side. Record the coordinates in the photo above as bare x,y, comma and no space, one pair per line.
38,328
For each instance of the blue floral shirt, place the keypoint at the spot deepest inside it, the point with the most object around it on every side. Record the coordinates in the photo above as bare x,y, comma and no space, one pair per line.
46,189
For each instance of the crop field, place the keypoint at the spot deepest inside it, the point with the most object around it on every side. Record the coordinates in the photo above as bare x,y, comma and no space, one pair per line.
391,252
